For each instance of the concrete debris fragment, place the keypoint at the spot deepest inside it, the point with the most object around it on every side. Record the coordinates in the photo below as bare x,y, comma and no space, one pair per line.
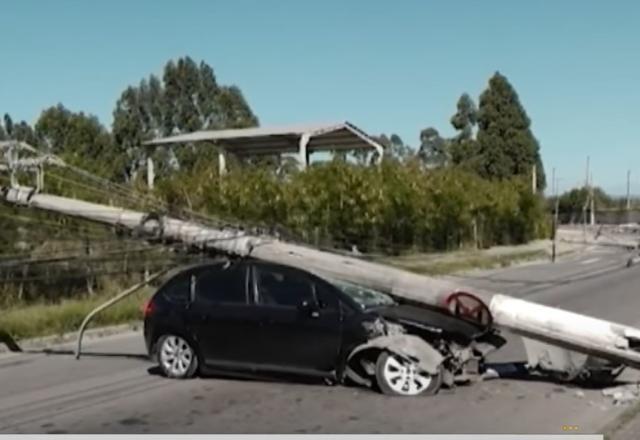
580,394
624,394
545,357
489,374
505,370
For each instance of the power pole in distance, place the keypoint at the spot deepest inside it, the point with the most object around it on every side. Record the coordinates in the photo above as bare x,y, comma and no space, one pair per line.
554,186
628,190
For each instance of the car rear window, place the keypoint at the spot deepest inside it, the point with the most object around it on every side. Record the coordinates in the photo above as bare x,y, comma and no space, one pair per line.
177,289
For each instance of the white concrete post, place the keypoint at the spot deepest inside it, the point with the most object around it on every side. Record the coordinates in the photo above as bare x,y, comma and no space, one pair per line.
12,157
380,152
303,154
151,174
222,162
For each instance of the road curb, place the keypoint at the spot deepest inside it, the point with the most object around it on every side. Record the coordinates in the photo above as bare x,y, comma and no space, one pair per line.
89,335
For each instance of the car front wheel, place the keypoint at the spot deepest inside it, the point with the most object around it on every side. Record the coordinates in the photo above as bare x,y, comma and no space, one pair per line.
177,358
397,376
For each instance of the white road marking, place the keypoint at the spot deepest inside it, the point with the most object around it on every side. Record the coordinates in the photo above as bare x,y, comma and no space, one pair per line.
589,261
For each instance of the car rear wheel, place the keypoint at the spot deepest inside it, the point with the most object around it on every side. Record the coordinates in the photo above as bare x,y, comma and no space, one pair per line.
177,357
397,376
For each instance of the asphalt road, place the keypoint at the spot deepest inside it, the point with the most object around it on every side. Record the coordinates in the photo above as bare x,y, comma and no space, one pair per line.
114,389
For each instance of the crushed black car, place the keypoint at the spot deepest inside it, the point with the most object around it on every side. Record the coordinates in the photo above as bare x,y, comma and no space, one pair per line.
249,316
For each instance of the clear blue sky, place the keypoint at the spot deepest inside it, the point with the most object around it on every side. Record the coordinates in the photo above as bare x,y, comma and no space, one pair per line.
385,66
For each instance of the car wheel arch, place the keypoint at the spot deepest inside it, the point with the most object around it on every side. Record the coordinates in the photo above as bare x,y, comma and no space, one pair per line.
405,345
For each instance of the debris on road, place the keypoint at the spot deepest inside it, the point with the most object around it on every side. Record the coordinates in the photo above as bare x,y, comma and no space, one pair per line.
623,394
505,370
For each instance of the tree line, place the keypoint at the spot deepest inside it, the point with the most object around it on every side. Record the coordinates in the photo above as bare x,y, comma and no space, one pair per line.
493,140
473,189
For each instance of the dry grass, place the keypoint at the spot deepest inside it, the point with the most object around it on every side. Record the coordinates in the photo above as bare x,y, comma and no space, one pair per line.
55,319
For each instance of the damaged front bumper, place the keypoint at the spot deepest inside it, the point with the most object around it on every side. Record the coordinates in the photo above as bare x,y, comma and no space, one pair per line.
457,363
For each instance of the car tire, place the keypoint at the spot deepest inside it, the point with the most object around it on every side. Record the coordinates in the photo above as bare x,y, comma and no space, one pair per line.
176,357
396,376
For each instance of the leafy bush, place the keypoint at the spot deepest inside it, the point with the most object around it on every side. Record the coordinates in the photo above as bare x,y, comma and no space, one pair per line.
390,208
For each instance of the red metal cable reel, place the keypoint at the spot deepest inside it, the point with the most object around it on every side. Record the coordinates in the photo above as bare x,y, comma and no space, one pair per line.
468,307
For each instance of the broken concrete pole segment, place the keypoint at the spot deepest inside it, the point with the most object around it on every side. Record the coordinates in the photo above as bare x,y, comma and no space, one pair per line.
229,241
557,327
569,330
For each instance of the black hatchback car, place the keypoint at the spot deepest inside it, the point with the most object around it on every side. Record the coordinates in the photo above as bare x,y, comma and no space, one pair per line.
255,317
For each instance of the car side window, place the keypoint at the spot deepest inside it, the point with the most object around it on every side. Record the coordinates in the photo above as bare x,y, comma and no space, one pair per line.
177,289
327,298
223,285
280,286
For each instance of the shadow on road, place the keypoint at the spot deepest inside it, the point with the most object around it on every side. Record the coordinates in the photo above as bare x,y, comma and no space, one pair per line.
252,377
53,352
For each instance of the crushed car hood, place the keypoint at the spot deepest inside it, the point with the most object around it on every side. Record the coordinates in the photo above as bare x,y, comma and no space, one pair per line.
430,320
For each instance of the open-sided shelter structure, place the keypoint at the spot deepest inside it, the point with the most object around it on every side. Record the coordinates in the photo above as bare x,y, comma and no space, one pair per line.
301,140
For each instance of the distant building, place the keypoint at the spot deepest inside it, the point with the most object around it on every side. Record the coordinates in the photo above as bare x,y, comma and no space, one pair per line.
301,140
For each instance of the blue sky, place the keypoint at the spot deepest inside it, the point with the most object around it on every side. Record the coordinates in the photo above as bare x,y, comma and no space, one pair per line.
385,66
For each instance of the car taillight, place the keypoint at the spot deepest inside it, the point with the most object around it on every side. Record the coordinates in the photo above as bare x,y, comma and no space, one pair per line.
147,308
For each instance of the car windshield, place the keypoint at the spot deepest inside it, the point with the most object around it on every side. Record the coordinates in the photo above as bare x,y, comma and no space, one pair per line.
365,297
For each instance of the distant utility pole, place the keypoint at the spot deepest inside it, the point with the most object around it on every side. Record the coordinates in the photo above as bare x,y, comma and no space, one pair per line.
534,179
554,186
592,220
628,190
586,202
586,177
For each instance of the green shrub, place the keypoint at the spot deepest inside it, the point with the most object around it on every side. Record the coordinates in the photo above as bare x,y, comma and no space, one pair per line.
391,208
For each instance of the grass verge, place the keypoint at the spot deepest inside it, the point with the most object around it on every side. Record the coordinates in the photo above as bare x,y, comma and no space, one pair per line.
22,322
473,260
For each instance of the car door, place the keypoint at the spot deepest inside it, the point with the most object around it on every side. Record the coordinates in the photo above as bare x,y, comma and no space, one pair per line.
299,333
227,325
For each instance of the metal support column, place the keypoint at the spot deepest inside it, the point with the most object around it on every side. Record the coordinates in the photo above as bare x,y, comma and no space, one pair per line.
151,175
222,162
303,153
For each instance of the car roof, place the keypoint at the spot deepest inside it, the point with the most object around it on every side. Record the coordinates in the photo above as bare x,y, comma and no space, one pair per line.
188,267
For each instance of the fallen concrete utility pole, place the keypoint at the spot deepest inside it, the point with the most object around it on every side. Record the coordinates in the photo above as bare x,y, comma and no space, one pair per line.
591,336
